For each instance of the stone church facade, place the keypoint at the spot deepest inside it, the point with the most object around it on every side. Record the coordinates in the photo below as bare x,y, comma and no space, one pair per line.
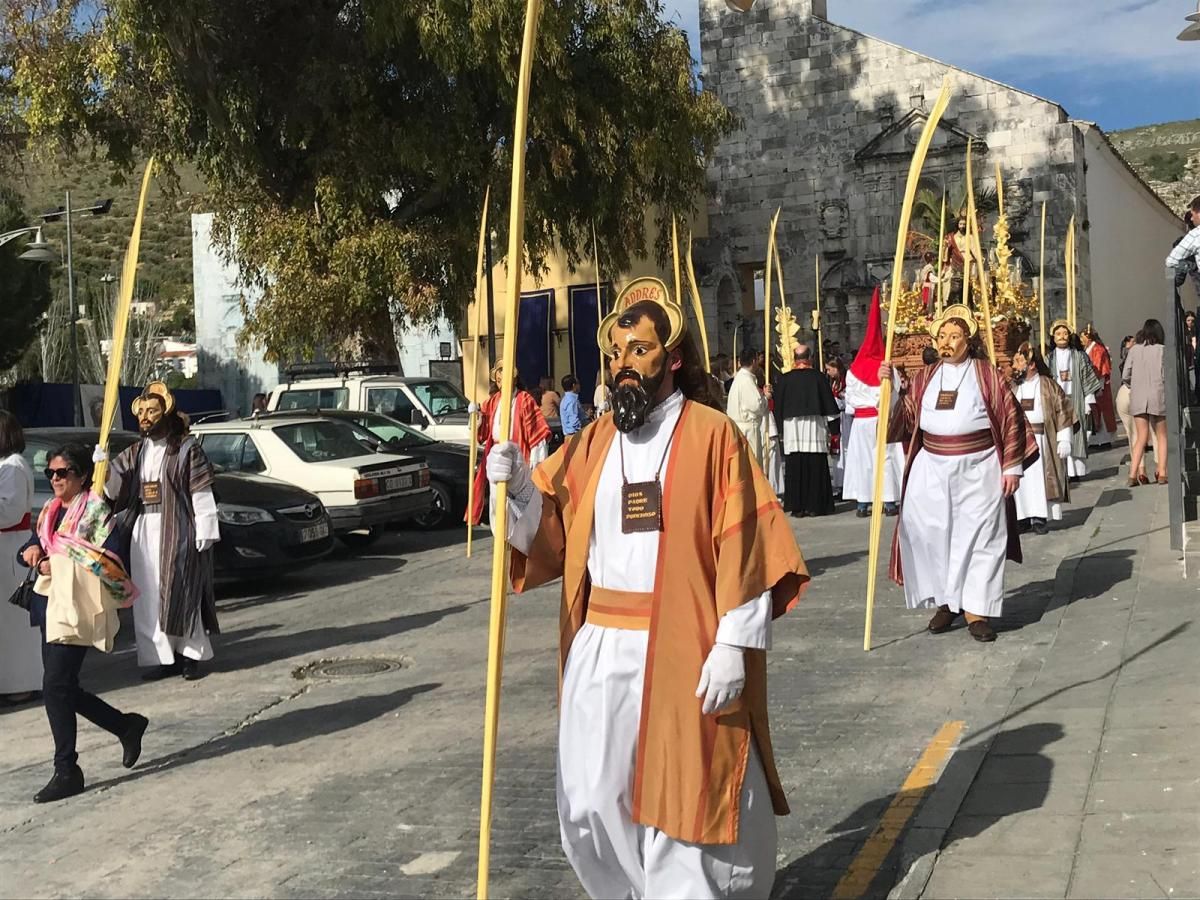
829,118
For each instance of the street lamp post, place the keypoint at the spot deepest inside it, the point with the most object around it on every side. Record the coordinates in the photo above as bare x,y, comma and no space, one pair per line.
96,209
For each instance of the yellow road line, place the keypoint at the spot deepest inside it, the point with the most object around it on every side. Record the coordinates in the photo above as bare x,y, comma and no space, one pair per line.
870,858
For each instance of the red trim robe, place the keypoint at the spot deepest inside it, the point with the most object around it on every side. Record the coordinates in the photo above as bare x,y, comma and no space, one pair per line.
1104,411
528,429
1016,444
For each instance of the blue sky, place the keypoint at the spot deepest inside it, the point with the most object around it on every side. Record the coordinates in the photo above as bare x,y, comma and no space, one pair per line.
1115,62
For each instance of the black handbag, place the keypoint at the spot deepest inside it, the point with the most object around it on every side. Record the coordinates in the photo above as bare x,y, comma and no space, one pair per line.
23,595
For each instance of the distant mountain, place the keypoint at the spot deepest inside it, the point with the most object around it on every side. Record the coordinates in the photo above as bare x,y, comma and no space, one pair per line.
1167,156
98,244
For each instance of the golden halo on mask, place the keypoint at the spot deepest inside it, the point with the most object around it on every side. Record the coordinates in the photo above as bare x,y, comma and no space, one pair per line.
643,290
155,389
957,311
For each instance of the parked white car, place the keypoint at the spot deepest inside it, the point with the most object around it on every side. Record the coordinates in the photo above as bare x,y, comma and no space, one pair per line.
361,490
432,405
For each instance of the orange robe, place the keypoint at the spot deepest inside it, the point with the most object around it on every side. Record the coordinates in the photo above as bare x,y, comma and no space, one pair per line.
725,541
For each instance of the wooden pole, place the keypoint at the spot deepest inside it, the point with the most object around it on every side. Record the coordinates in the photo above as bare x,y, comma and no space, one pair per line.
1042,285
1070,264
974,249
999,189
885,387
499,598
697,306
599,299
675,255
820,325
771,251
473,452
941,298
112,380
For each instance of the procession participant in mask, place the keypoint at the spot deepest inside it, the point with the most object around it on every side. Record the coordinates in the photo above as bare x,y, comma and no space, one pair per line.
675,557
1051,416
1104,416
862,396
969,445
161,488
529,431
1073,371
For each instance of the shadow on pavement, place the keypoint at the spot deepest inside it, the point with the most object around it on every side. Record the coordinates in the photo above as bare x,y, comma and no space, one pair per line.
279,731
863,850
246,649
829,563
1099,573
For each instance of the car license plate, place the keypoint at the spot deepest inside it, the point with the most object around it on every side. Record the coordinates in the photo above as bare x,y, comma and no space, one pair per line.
399,483
314,532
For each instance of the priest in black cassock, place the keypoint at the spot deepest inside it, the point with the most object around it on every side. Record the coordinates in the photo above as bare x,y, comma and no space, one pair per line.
804,407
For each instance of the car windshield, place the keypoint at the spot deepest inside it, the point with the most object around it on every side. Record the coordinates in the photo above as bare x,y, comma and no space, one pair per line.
323,441
383,428
441,397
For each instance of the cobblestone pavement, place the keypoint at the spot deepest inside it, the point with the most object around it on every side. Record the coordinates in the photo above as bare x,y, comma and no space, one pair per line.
261,780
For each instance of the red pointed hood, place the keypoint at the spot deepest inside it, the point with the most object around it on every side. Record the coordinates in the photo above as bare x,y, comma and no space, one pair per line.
866,362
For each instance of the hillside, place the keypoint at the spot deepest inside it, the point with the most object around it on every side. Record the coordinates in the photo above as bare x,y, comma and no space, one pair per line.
98,243
1167,156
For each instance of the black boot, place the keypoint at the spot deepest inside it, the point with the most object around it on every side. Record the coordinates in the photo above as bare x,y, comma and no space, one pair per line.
63,784
1039,525
190,669
158,673
131,740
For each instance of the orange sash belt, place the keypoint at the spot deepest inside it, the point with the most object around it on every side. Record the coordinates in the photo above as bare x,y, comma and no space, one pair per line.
958,444
619,609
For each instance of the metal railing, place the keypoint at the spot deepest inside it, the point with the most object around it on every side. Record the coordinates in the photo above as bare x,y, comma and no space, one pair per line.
1178,398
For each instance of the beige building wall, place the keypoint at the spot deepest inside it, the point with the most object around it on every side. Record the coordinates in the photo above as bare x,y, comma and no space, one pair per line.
560,278
1130,234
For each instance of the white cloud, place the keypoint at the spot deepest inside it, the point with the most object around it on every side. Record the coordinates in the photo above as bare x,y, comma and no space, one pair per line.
1050,35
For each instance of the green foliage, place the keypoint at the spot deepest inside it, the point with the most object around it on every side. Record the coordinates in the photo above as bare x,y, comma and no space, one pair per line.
302,116
1168,167
24,287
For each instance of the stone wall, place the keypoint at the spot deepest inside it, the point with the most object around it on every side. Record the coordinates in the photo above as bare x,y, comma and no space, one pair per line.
829,117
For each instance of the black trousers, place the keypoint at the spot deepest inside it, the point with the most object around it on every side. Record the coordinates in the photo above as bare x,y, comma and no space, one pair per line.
65,699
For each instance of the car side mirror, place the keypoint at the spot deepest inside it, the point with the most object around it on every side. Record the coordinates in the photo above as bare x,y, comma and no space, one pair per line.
418,418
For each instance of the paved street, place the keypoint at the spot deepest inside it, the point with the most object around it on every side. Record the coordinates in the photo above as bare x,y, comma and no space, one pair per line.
268,778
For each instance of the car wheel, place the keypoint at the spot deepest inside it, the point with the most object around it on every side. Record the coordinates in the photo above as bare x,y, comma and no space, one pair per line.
361,540
442,510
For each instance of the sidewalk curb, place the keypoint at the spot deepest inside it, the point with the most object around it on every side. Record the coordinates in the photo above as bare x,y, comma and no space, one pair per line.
922,843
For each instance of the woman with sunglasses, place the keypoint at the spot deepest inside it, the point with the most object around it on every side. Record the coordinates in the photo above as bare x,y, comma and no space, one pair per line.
20,644
80,586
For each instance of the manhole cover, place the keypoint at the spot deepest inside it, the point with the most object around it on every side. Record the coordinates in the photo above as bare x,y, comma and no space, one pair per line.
351,668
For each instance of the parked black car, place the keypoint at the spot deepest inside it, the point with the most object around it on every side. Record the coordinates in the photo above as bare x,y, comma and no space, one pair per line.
266,525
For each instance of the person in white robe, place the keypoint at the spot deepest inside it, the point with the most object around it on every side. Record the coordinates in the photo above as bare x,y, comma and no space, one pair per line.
1035,506
606,670
1073,370
953,536
747,405
20,642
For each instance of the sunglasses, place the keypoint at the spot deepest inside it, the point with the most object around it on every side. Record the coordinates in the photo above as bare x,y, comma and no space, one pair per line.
64,474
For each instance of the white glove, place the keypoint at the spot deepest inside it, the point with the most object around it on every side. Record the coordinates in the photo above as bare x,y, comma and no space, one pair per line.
506,463
1090,400
99,454
472,408
722,677
1064,449
203,544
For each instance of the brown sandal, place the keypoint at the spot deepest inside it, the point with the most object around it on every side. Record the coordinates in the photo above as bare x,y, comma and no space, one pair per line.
982,631
1161,479
942,620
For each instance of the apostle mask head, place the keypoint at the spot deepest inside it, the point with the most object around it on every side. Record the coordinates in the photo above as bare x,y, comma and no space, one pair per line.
155,413
642,368
1062,337
953,340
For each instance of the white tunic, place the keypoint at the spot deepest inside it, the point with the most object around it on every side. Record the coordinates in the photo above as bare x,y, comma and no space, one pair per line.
859,451
837,464
747,407
601,709
20,644
153,646
953,531
537,453
1031,496
1076,465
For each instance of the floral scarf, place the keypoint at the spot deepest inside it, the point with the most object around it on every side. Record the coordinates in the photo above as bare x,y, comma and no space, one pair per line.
85,527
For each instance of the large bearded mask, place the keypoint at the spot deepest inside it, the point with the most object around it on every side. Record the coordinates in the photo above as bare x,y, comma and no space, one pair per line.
638,363
152,408
1062,338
